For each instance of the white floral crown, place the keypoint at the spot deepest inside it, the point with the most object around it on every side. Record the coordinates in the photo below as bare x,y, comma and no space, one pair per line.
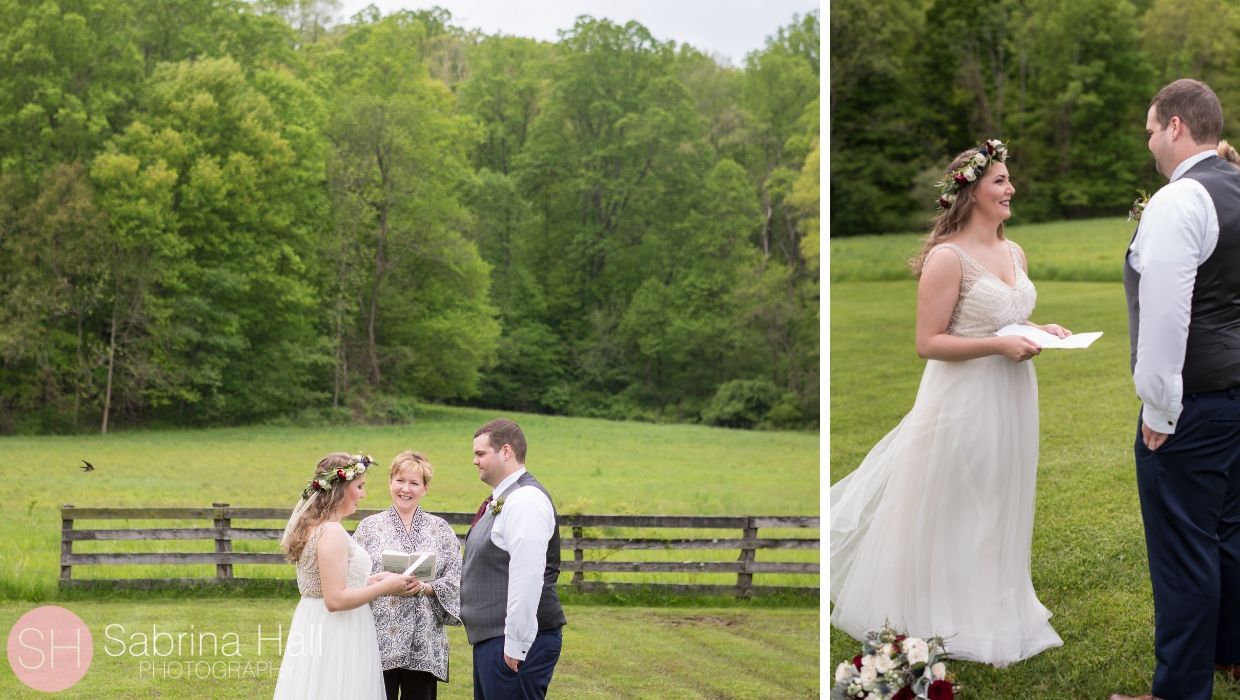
950,186
358,464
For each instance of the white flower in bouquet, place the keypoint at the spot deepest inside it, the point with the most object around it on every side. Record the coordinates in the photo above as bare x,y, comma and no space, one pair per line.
938,671
887,649
868,673
917,651
883,664
846,671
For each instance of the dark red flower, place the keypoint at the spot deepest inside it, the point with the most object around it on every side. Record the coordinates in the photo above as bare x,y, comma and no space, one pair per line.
315,485
340,473
961,178
857,661
940,690
906,693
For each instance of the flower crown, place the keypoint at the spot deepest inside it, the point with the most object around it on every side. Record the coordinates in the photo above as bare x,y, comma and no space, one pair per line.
358,464
949,186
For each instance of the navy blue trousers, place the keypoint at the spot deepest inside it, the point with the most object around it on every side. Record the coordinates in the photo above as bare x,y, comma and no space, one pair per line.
1190,504
493,680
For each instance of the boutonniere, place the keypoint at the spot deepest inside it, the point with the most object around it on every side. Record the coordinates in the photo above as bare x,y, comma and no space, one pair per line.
497,506
1138,206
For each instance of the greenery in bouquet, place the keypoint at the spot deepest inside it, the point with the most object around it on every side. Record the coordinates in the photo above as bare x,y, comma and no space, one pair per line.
896,667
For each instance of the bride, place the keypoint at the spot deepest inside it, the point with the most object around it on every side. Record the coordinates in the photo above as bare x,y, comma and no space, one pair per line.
932,532
332,650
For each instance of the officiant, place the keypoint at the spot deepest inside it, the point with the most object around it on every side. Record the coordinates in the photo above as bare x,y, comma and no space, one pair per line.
412,643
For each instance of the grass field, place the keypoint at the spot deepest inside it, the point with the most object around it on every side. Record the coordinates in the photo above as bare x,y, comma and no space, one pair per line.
591,466
1089,564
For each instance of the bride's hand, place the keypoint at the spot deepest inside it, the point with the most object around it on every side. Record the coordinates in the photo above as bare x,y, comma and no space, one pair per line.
1056,330
397,584
375,578
1017,348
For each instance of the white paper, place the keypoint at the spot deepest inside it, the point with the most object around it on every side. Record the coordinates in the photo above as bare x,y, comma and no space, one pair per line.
420,564
1076,341
417,563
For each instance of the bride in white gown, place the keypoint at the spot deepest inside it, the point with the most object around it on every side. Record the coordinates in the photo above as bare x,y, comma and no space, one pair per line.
932,532
332,650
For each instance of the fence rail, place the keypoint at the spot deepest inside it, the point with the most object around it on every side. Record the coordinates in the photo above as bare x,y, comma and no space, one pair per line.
223,533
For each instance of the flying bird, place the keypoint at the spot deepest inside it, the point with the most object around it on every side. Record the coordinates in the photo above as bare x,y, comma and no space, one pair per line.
87,466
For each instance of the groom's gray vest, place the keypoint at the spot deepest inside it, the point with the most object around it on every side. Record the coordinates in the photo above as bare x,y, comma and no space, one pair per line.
484,577
1212,354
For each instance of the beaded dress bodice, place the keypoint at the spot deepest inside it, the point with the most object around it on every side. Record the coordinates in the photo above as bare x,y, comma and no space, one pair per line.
986,302
309,583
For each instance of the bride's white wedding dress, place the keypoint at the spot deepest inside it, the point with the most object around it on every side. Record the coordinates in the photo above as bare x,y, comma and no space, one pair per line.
330,655
932,532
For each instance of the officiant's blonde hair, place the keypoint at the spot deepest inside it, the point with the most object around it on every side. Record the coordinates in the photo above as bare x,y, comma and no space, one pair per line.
320,507
950,220
415,461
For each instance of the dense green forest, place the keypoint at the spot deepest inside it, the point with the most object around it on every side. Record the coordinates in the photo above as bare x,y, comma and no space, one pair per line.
1065,82
218,211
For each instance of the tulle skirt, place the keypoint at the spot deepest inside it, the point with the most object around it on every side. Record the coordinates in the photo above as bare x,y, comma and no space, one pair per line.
932,533
330,655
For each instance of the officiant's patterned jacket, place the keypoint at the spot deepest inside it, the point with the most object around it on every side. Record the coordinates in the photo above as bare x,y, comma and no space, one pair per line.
411,628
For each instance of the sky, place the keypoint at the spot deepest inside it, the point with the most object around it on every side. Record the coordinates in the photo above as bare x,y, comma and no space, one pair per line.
728,29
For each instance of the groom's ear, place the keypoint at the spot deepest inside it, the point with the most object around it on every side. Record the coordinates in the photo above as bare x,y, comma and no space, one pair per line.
1178,128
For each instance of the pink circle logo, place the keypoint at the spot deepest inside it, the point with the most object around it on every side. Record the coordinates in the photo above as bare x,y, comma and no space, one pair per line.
50,648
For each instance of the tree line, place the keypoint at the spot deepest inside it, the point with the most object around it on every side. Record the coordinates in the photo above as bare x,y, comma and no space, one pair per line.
1066,82
224,212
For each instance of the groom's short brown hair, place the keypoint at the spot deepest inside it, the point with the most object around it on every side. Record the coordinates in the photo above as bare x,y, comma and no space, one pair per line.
1195,104
502,431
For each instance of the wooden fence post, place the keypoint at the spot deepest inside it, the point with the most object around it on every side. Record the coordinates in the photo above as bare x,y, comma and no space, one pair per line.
744,579
579,554
66,544
223,541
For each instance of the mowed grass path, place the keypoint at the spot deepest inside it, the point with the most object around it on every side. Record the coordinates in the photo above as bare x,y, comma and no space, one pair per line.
608,652
1089,563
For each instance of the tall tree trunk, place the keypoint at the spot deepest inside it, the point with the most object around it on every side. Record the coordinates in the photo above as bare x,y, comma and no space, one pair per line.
82,374
339,350
107,395
373,312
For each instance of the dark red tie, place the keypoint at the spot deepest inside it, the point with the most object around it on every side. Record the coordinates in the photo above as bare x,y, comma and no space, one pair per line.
481,509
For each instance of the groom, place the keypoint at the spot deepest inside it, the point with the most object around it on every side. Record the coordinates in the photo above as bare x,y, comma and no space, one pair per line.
509,604
1183,288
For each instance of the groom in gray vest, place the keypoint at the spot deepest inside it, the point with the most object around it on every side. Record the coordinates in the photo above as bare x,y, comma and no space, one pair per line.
1182,281
511,611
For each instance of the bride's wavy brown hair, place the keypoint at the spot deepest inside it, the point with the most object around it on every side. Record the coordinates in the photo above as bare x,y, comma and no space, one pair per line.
950,220
320,509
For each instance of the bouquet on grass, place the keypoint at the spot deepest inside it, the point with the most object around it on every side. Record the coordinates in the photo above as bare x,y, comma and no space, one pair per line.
895,667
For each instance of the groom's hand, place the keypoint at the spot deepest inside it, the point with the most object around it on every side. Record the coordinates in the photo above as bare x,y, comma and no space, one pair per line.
512,663
1152,438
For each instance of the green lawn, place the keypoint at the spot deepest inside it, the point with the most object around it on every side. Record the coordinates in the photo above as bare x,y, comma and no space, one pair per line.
608,652
1089,564
1089,250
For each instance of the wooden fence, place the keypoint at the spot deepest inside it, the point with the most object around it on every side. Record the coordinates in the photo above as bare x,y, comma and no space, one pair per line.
574,548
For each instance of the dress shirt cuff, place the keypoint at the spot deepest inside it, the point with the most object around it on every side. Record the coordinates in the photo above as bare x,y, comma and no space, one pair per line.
1160,420
517,648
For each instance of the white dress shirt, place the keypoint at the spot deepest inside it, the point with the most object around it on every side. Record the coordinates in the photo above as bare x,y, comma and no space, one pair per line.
1178,231
523,528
